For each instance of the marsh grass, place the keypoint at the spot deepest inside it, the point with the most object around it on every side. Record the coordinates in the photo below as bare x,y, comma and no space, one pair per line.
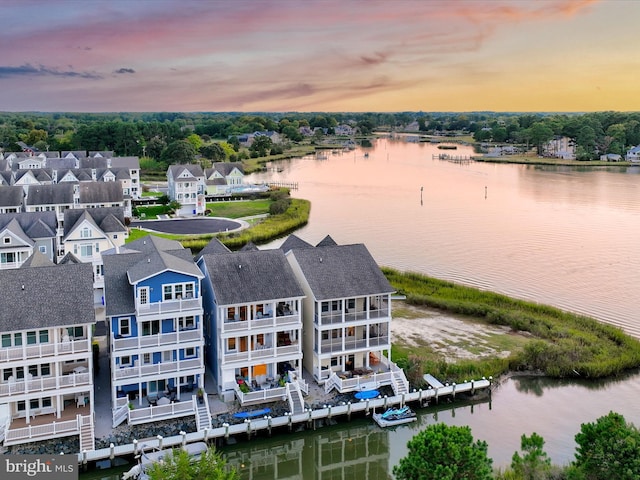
563,344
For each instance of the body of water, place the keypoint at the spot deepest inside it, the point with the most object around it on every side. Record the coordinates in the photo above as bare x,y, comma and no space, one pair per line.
566,237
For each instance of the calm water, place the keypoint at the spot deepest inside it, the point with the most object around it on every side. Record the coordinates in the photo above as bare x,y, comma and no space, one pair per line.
559,236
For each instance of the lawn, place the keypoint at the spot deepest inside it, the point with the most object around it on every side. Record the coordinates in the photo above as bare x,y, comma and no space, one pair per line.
238,208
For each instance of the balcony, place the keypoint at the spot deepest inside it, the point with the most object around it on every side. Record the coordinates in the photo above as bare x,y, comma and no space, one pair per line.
337,346
42,350
267,321
182,366
338,316
188,305
267,351
43,384
56,428
172,338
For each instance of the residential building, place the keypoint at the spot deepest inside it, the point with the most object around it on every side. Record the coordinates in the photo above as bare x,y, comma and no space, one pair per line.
346,316
46,360
186,185
154,316
21,234
223,177
253,326
633,154
88,233
560,147
11,198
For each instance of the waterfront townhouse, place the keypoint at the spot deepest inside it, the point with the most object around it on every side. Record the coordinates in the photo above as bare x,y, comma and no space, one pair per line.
223,177
154,315
347,317
23,233
88,233
186,185
46,362
253,326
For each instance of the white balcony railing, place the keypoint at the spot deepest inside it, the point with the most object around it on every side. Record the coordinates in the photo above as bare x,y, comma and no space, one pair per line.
162,412
42,432
172,338
41,350
43,384
169,306
232,325
182,366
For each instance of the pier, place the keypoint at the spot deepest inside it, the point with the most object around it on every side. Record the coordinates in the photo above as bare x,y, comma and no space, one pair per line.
453,158
308,418
289,185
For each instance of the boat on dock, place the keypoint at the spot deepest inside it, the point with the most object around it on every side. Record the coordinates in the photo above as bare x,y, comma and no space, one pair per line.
395,416
145,460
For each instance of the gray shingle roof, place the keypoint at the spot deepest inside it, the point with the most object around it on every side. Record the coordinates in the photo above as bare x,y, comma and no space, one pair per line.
214,246
341,271
251,276
118,292
292,242
130,163
57,194
34,224
109,219
158,262
11,196
46,297
61,164
14,227
37,259
326,242
100,192
193,169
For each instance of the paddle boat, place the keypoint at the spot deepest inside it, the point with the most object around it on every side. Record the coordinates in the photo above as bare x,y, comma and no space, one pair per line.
395,416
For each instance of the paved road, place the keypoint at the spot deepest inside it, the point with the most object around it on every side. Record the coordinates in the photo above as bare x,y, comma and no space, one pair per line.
189,226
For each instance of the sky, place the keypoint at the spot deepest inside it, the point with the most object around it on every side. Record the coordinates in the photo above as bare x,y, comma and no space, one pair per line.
319,55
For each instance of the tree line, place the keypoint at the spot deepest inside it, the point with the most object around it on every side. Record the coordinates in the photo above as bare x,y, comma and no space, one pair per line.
151,134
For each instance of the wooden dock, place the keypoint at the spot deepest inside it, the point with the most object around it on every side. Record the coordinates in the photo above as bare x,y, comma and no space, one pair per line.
250,427
289,185
453,158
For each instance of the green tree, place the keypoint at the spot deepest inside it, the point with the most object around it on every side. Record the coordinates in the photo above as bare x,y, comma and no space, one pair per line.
608,448
214,152
261,145
540,134
179,466
174,205
534,464
195,140
179,152
442,452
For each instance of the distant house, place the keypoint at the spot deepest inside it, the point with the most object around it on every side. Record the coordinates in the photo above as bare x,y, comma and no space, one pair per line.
560,147
154,314
611,157
633,154
253,305
11,198
46,358
186,184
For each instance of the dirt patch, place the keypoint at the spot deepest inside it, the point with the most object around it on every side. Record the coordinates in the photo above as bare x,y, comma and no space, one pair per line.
453,337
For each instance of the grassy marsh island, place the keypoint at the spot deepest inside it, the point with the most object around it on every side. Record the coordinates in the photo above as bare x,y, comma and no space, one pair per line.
549,341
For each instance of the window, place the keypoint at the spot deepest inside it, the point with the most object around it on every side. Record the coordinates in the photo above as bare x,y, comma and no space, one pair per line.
351,303
167,356
21,406
31,338
334,361
189,352
231,344
188,290
75,332
86,250
125,361
168,292
146,358
124,326
177,291
85,232
43,249
143,295
45,369
6,373
34,403
46,402
6,340
33,370
20,373
151,328
44,336
185,323
7,240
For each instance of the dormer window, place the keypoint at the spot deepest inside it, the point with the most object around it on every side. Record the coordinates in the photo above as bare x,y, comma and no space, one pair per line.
6,240
85,232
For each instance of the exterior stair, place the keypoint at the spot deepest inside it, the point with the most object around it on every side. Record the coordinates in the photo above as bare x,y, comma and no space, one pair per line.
296,404
87,433
399,383
203,416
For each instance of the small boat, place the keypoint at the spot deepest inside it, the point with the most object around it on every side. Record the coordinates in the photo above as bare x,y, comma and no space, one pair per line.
395,416
145,460
447,147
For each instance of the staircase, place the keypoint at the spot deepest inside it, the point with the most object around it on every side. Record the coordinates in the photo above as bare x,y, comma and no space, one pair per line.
399,382
120,415
87,433
203,416
296,404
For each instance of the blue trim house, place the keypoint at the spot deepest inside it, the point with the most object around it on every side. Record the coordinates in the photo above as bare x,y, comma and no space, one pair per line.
154,312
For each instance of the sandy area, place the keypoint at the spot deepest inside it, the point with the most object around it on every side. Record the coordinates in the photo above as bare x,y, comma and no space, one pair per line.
452,336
